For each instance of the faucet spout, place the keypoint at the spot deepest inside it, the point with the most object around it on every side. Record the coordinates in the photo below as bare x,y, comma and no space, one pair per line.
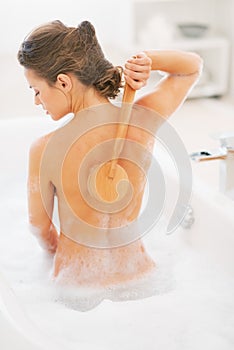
225,153
204,155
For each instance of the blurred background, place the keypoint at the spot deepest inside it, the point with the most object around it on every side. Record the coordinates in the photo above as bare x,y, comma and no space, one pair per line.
124,27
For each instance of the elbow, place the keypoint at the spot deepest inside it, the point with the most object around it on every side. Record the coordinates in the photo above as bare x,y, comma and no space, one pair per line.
196,68
35,230
198,63
41,235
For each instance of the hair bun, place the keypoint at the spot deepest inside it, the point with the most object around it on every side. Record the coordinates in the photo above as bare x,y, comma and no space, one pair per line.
87,28
109,83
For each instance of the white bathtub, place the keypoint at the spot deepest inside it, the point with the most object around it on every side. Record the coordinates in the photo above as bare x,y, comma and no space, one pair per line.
193,305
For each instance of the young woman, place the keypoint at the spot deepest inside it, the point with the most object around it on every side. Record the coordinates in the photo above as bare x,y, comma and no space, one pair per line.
68,72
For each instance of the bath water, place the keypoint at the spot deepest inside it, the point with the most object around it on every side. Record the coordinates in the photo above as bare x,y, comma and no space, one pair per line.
187,303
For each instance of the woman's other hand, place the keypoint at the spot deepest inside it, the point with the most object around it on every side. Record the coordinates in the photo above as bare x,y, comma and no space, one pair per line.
137,70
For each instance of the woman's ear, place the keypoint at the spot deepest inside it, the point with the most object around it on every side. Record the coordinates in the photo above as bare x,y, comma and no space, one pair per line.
64,82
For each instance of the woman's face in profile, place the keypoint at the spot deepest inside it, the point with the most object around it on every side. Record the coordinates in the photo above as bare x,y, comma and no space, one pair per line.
52,99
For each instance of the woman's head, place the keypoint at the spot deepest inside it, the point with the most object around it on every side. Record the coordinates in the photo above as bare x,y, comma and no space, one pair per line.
54,49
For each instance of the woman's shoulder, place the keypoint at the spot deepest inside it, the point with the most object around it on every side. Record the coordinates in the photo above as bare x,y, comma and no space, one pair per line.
38,145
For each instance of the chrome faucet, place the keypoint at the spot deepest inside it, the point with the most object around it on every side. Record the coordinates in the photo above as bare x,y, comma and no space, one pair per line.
226,155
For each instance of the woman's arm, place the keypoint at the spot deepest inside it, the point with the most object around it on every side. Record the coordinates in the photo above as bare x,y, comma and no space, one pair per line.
183,70
40,201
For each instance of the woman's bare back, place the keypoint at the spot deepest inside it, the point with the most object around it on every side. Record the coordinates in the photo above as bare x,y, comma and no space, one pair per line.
81,257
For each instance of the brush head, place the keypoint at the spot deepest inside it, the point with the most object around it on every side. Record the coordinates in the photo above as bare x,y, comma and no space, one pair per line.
106,188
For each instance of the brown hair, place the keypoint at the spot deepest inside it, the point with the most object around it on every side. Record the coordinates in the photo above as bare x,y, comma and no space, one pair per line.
54,48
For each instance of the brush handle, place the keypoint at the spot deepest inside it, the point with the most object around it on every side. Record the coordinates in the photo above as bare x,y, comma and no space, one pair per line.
125,114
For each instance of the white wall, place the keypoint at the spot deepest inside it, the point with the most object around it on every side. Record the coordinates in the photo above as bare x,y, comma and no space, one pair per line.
115,25
114,20
18,17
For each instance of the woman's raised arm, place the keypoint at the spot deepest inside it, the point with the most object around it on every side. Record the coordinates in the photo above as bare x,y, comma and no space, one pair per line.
182,71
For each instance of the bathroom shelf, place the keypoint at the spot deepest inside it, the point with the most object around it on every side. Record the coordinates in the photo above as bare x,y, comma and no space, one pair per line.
198,43
156,27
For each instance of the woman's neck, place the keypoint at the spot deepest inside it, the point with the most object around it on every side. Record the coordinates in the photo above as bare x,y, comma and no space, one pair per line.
87,98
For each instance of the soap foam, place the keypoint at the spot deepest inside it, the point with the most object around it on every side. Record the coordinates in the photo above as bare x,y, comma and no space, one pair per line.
158,281
184,304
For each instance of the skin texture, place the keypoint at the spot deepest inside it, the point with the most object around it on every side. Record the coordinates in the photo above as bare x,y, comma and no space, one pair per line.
76,263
